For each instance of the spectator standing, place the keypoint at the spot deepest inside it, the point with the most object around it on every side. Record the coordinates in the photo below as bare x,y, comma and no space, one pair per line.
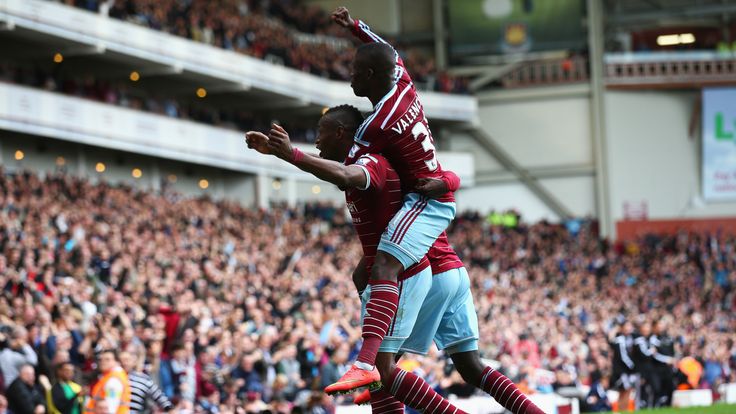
247,377
664,360
64,397
112,387
24,397
648,387
18,354
624,369
142,387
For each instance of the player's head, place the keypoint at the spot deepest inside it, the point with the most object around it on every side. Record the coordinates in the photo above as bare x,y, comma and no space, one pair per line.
373,69
335,131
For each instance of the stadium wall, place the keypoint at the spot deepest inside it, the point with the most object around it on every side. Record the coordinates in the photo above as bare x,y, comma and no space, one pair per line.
548,128
653,158
653,152
547,132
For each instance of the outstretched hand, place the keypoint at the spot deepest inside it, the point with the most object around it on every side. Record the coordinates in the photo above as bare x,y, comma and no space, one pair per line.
341,16
257,141
44,381
279,143
431,187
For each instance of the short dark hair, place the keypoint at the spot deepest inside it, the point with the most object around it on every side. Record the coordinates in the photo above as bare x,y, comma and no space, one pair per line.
108,351
62,364
380,57
348,115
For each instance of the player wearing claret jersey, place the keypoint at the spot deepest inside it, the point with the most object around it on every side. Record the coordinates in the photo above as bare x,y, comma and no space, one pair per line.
448,317
446,314
373,194
397,129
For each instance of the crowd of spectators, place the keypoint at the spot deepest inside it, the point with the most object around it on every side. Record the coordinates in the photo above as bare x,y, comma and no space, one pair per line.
287,32
232,309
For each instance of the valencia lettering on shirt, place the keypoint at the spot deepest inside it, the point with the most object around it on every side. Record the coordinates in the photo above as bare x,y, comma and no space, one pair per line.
398,129
408,118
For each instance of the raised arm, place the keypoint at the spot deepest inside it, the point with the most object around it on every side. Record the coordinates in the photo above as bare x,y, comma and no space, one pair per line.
341,16
277,143
155,394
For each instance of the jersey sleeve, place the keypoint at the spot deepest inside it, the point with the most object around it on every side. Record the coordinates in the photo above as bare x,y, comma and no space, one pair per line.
375,171
452,180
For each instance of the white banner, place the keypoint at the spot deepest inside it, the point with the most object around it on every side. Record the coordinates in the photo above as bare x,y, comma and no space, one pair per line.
37,112
719,144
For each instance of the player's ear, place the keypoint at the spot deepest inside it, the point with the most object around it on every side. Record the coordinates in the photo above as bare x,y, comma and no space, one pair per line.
370,72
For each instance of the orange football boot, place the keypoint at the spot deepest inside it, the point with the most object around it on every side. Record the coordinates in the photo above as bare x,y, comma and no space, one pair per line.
354,379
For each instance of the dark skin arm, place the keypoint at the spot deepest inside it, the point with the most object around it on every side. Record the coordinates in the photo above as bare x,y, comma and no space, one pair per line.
431,187
341,16
277,143
360,276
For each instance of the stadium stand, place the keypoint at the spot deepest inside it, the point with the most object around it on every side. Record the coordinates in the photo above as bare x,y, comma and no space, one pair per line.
284,32
116,92
227,306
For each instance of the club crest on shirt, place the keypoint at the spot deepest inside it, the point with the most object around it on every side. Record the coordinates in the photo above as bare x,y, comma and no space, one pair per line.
353,150
351,208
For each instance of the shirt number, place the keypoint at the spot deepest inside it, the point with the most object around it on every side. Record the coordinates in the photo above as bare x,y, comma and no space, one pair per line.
417,131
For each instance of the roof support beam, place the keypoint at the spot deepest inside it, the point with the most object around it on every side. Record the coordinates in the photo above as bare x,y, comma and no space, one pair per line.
509,163
598,116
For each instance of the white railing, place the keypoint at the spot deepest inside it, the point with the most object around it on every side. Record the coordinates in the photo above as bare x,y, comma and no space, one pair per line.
671,73
547,72
178,53
686,69
37,112
670,56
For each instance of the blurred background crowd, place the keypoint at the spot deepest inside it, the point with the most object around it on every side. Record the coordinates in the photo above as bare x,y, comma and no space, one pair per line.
232,310
285,32
119,92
